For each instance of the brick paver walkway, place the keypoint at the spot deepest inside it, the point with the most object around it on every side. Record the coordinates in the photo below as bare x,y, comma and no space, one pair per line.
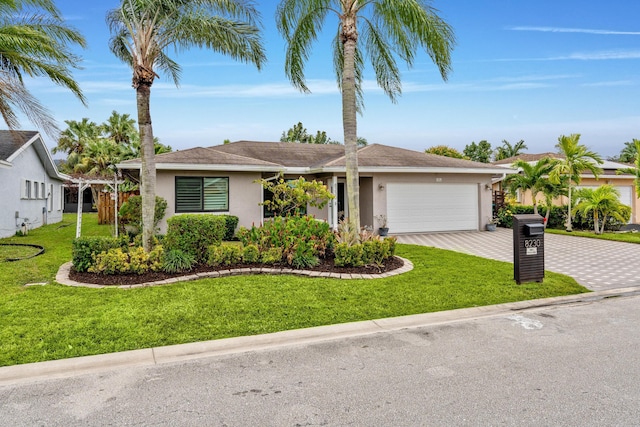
595,264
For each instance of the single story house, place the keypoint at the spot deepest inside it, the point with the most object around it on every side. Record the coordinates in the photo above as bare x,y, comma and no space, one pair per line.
417,192
32,187
624,183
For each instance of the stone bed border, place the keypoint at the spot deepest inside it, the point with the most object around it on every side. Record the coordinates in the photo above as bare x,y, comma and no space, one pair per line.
62,276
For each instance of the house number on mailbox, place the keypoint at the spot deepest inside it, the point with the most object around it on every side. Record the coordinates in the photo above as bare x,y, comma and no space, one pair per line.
532,246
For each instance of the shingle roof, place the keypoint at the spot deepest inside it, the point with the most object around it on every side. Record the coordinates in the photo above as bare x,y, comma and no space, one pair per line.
12,141
313,156
528,158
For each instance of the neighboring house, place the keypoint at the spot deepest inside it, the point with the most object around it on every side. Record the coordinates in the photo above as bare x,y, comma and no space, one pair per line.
417,192
32,188
624,183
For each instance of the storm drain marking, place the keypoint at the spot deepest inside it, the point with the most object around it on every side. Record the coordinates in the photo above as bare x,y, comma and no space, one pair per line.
525,322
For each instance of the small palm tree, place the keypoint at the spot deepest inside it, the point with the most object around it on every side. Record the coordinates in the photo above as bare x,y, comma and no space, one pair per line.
552,190
378,30
34,41
507,150
603,203
142,33
531,177
577,159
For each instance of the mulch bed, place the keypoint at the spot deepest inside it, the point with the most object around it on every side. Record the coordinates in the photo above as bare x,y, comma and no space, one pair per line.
325,265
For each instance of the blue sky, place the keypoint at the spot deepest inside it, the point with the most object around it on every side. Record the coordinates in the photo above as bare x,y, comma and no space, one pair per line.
530,70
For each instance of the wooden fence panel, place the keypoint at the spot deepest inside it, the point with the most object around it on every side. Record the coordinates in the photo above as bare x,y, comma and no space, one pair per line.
106,206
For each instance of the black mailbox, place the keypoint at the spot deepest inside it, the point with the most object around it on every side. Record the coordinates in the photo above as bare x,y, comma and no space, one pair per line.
528,248
531,230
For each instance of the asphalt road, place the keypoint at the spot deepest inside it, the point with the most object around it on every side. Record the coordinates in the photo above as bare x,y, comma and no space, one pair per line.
567,365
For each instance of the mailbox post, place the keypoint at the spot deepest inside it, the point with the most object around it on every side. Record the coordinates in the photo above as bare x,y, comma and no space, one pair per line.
528,248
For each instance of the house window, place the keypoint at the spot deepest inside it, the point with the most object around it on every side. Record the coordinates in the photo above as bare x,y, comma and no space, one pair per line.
27,189
60,198
50,198
43,195
36,190
202,194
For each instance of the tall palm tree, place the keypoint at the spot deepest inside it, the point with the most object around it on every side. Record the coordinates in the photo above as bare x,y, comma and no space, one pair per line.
119,127
34,41
507,150
602,202
530,177
577,159
380,30
143,31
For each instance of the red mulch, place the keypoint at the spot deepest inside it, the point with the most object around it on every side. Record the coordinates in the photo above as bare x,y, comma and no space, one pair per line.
325,265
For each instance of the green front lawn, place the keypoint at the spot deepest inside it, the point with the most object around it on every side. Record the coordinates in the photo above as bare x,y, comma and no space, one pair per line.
54,321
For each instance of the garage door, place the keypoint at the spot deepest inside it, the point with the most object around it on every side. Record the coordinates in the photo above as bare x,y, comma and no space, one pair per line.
415,208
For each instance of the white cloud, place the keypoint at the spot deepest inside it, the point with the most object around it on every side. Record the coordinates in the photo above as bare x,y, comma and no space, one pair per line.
574,30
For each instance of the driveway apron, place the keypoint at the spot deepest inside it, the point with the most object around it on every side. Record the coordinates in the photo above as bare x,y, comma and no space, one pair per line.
595,264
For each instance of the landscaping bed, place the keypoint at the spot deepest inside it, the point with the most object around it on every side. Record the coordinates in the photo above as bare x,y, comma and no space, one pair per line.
325,265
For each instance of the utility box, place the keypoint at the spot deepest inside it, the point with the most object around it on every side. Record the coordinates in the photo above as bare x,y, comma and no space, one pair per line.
528,248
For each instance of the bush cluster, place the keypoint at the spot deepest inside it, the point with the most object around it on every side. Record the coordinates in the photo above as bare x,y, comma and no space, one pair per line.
302,239
370,252
84,249
193,234
123,261
557,217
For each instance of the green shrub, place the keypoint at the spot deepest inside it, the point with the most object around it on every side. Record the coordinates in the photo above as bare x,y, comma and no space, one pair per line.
177,261
250,254
120,261
557,216
391,244
371,252
271,256
302,239
84,249
113,261
231,222
302,256
348,255
130,212
224,254
193,234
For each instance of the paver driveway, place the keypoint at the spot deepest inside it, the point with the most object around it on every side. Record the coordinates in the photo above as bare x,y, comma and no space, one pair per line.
595,264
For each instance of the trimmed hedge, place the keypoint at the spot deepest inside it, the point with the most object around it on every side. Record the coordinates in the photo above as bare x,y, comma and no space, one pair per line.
370,252
557,218
231,222
194,233
85,249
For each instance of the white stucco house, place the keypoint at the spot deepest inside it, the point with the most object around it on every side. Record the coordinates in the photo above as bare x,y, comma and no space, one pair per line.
417,192
32,187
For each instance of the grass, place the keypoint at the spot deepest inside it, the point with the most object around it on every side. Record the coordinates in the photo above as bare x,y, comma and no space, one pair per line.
54,321
629,237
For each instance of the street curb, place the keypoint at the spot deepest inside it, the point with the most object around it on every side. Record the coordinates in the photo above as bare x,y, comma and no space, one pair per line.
64,368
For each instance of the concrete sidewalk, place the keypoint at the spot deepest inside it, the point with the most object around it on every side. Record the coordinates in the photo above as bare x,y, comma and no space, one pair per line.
33,372
594,263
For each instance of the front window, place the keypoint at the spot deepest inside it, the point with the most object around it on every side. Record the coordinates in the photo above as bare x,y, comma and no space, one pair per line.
202,194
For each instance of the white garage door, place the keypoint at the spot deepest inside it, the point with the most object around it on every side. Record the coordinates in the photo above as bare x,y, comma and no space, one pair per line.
415,208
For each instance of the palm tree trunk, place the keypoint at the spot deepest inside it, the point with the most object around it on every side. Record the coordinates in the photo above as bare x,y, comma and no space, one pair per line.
596,227
349,120
569,211
148,172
